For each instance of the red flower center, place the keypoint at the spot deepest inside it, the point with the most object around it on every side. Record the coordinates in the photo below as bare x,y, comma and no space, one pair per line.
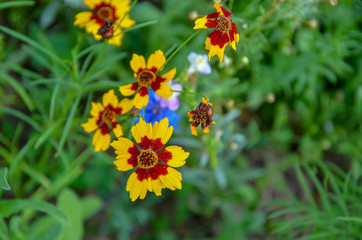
108,116
145,78
105,13
147,159
223,24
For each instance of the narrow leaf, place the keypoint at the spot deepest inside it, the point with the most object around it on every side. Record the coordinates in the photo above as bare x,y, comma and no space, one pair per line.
16,4
3,183
19,89
10,207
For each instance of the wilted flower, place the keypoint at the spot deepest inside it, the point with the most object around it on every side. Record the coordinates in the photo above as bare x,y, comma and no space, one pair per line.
201,115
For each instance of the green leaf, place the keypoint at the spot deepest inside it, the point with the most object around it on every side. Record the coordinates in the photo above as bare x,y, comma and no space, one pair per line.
3,183
90,206
21,116
68,124
32,43
69,203
16,4
19,89
351,219
47,133
9,207
3,230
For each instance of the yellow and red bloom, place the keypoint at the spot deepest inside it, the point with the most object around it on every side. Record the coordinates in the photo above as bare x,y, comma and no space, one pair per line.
105,12
225,31
104,119
154,167
146,76
201,115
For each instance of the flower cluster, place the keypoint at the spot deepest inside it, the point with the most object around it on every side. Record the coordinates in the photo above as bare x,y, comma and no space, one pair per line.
107,19
154,96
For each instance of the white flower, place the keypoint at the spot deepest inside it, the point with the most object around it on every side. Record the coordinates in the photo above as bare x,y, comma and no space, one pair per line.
199,63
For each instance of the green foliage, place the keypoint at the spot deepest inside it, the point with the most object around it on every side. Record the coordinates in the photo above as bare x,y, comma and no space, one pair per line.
282,162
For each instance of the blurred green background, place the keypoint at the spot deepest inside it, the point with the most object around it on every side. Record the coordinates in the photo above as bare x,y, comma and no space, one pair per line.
283,161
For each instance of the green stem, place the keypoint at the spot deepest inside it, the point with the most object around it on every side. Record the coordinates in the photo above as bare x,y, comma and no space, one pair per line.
96,61
130,133
178,49
134,3
194,93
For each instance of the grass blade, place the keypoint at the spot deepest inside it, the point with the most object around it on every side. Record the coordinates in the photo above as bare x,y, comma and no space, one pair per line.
3,183
32,43
19,89
47,133
21,116
16,4
68,124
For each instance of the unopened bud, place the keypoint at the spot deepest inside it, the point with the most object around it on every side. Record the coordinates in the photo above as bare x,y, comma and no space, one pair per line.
136,113
333,2
313,23
270,98
245,60
193,15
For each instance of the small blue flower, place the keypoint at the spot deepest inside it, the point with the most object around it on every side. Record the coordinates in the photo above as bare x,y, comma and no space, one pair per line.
155,111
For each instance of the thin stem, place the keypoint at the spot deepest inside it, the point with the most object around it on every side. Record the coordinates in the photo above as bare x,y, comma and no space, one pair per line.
194,93
97,60
119,23
130,132
178,49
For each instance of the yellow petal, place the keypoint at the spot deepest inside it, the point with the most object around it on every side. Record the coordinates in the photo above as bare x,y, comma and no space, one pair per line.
92,3
193,130
178,156
127,22
101,142
82,18
96,109
110,98
141,129
218,8
116,40
92,28
200,23
138,62
131,181
169,75
162,130
126,105
91,125
128,89
122,144
118,131
164,91
141,101
144,188
156,60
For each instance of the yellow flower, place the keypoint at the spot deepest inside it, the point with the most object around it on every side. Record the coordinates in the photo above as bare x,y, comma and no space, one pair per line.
201,115
112,11
146,76
151,174
104,119
225,31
